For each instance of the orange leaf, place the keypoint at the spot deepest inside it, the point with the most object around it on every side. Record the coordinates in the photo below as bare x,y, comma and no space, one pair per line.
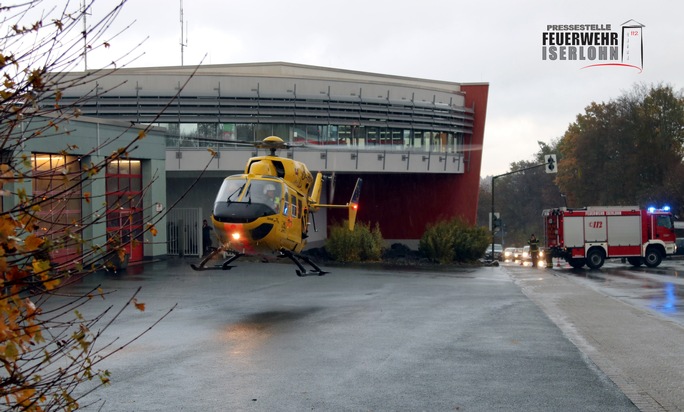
152,229
138,305
32,243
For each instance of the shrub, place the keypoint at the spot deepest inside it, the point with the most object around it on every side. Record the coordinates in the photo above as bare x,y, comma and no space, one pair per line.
453,241
361,244
437,243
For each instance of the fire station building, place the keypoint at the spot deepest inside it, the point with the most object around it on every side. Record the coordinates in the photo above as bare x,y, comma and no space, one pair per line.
415,142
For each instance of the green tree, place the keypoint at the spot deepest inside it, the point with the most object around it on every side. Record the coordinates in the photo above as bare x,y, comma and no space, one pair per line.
625,151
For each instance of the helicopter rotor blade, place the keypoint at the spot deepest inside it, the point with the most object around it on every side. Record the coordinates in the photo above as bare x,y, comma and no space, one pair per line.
331,188
278,144
379,148
313,221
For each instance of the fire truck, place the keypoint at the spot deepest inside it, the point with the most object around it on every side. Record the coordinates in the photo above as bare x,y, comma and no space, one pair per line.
590,235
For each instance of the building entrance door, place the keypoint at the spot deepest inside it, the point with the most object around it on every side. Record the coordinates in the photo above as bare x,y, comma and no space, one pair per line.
124,206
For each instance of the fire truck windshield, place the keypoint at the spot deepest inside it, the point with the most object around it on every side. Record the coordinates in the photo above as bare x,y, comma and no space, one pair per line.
665,221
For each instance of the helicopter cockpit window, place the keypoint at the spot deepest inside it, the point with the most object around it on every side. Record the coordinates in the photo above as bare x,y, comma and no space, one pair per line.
266,192
230,190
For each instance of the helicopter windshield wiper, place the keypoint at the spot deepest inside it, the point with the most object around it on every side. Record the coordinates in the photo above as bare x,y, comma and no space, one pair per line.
238,190
248,195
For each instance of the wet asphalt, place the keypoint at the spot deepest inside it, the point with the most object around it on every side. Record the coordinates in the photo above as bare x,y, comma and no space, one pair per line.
258,338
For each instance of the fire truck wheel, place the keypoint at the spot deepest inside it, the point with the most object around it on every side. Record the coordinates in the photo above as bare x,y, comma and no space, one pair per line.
576,263
595,258
653,257
635,261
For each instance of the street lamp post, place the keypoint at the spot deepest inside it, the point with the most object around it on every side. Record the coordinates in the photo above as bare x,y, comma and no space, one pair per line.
549,164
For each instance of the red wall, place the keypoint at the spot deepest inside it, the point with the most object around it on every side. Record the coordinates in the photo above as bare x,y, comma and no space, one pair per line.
404,204
469,187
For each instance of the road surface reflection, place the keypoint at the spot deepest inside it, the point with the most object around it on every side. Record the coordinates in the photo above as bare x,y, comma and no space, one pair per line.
660,290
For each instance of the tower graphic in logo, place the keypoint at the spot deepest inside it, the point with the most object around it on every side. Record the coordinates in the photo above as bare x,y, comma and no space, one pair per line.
633,44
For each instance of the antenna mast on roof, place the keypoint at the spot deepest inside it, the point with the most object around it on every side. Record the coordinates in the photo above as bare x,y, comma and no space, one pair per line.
184,33
85,12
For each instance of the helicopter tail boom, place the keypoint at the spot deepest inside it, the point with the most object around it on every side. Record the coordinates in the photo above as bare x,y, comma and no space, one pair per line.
317,188
352,206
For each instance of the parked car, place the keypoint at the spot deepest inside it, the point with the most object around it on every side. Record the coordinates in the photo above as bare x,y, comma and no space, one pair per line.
498,252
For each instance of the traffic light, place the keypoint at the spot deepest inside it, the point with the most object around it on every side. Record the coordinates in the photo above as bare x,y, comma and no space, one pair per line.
550,163
495,222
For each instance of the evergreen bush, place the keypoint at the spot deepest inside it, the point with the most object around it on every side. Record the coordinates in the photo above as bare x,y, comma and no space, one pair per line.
454,240
361,244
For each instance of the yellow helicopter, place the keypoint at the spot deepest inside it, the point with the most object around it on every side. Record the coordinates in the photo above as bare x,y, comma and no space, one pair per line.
267,209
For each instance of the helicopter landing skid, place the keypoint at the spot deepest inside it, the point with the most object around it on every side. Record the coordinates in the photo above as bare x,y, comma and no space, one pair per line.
302,271
224,266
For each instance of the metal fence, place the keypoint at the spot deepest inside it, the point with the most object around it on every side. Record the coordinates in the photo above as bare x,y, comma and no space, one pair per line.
184,228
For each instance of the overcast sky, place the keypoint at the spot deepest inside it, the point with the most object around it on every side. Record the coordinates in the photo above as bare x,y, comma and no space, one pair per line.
497,42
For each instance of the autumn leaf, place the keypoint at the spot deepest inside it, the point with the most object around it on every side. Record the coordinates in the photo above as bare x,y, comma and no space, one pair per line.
32,243
40,267
51,284
138,305
11,351
86,197
152,229
141,134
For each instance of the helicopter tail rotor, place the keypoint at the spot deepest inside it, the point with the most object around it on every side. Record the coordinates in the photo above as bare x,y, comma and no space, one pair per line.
353,205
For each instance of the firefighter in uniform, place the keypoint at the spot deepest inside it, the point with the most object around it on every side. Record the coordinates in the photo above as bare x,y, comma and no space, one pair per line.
534,249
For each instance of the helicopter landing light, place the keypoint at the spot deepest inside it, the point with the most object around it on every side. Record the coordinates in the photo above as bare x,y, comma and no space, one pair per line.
235,235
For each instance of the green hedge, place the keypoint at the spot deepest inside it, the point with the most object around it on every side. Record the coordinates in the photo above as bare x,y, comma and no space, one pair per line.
454,241
361,244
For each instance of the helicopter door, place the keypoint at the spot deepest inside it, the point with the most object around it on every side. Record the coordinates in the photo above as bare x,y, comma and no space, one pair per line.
294,223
